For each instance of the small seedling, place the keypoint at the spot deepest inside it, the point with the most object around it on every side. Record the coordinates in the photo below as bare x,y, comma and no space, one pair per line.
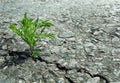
28,30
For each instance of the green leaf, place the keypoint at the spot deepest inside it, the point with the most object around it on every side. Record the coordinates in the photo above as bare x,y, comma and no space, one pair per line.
35,54
36,23
14,29
45,24
42,30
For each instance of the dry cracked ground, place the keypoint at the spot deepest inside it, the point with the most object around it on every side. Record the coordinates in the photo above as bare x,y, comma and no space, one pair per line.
86,49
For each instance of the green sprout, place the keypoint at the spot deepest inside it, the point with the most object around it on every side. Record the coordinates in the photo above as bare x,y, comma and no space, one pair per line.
28,30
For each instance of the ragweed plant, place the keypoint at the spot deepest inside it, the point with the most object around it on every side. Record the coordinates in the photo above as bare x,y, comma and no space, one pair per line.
28,30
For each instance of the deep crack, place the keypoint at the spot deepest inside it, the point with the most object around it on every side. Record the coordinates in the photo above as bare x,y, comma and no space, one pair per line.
63,68
59,66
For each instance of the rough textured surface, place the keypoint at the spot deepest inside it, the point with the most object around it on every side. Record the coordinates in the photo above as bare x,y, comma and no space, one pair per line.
88,36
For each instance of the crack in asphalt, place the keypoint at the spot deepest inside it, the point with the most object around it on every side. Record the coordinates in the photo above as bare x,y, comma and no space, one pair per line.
58,65
63,68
